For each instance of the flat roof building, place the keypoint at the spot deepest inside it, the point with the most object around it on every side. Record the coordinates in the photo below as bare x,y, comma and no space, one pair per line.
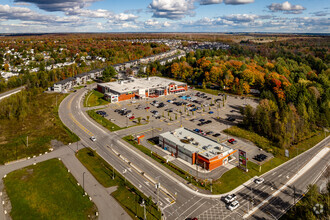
138,88
195,148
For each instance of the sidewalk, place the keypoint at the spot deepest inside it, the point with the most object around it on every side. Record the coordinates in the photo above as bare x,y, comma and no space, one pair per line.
106,204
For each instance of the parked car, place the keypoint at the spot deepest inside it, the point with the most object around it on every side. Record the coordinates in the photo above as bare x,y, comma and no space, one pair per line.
147,107
232,141
216,135
211,112
208,122
259,180
234,205
131,118
129,115
230,198
93,138
209,132
230,119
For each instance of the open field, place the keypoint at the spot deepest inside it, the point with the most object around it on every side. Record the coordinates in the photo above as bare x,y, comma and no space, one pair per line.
94,98
41,125
126,194
269,146
47,191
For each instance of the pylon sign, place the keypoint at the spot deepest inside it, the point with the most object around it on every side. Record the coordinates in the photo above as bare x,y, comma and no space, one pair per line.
242,161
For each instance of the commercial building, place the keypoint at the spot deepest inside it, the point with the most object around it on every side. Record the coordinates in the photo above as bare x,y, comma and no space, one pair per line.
195,148
139,88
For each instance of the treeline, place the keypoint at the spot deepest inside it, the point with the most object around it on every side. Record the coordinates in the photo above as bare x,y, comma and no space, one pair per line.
295,96
314,205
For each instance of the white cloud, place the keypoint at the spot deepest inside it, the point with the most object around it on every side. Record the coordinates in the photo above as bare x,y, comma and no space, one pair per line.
228,2
172,9
58,5
286,7
210,2
238,2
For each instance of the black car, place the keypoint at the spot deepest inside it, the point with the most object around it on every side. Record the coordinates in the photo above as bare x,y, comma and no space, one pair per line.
230,119
200,124
216,135
208,122
209,98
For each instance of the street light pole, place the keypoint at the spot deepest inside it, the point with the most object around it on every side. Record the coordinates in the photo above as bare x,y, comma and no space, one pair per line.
84,182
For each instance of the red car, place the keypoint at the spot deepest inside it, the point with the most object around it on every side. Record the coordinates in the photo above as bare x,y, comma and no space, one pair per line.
131,118
232,141
147,107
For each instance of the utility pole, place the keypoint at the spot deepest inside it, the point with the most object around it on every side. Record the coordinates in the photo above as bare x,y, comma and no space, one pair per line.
197,164
126,122
77,146
84,182
27,141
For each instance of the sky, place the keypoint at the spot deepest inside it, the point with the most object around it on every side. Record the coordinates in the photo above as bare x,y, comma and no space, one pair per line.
54,16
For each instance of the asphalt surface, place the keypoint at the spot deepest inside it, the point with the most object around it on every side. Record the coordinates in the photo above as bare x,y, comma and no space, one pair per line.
177,200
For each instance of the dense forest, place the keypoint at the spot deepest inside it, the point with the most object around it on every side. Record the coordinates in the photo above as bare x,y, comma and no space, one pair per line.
294,90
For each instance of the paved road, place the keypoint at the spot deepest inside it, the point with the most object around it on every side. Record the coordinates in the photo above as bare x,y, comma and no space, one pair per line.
106,204
10,92
176,199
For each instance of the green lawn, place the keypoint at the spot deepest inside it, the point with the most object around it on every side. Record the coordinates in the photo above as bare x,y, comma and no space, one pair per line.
267,145
41,125
258,140
47,191
103,121
94,98
126,194
236,176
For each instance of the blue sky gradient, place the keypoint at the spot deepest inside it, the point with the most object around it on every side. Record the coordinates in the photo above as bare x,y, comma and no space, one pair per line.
35,16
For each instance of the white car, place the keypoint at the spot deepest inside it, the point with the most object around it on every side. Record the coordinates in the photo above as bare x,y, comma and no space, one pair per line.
259,180
230,198
234,205
133,101
129,115
93,138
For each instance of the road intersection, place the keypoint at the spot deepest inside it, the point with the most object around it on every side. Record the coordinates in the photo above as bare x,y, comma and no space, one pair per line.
179,201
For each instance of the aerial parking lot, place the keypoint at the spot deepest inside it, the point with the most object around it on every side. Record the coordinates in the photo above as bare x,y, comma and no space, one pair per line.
203,113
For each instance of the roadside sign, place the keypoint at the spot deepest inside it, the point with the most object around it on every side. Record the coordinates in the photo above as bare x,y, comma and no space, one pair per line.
242,159
287,153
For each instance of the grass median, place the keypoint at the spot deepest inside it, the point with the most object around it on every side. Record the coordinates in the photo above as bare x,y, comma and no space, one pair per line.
126,194
103,121
47,191
94,98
